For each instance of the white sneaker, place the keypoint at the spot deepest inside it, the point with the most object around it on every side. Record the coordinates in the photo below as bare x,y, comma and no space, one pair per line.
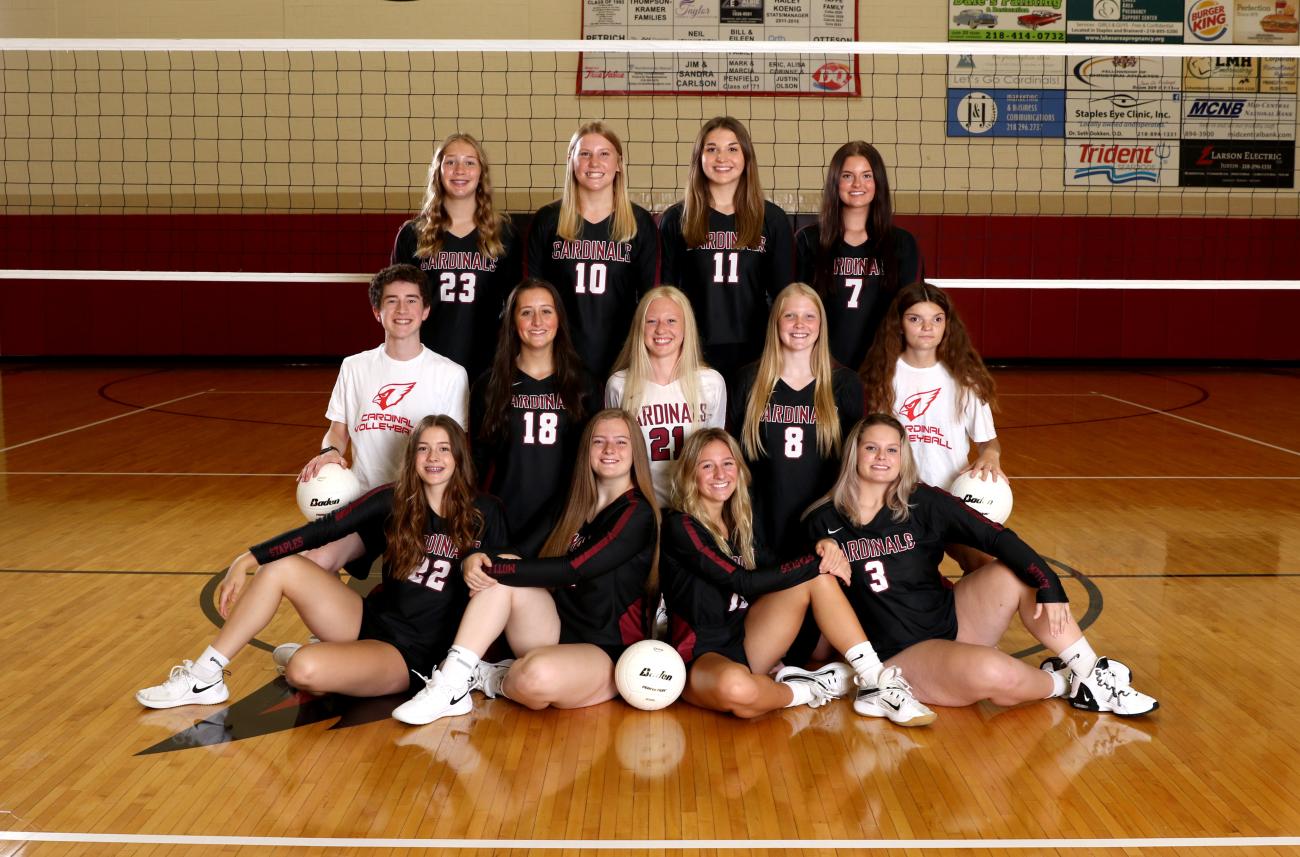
1057,666
1107,689
183,687
282,654
437,699
488,678
834,680
892,698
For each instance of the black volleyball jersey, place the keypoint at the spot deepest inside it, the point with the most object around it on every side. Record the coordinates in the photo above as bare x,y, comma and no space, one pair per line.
529,468
858,286
599,280
599,585
791,474
708,591
429,596
897,591
469,290
730,287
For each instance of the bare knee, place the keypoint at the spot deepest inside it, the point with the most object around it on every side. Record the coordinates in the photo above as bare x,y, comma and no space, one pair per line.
306,671
532,681
738,693
1001,680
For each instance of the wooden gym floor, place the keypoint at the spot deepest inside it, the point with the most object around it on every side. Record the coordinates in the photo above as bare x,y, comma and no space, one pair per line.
1169,498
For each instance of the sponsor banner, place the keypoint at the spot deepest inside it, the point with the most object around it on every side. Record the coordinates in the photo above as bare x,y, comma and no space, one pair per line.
1278,74
1006,113
1239,117
970,71
1208,22
1221,74
1006,20
831,21
1158,21
1236,163
1134,163
1123,115
1125,74
1265,22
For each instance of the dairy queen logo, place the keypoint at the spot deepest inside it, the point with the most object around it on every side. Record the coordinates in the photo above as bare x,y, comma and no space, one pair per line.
831,76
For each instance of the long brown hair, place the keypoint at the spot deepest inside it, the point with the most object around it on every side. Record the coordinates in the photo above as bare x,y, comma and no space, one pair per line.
769,370
749,196
737,512
433,221
955,351
844,493
880,217
623,226
410,515
568,366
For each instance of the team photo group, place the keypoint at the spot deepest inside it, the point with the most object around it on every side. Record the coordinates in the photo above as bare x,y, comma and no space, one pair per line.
708,430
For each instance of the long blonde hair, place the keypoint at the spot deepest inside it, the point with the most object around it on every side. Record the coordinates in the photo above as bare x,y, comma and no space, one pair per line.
634,359
432,221
737,512
623,227
769,370
749,201
844,493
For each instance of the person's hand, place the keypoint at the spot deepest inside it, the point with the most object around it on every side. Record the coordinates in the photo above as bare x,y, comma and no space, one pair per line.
475,577
834,562
988,463
1058,615
313,467
232,586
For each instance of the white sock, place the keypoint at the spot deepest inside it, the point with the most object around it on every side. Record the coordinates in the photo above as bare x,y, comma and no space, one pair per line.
864,661
210,664
1060,686
459,665
803,693
1079,657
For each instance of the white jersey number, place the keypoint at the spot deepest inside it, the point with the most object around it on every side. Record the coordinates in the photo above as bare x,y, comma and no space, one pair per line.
793,442
854,283
720,262
547,427
447,287
590,279
435,581
875,571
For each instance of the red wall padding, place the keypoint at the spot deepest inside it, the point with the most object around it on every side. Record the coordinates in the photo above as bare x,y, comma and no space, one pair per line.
84,317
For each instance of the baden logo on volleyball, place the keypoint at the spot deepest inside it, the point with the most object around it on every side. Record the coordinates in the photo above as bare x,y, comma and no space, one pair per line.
1207,20
832,75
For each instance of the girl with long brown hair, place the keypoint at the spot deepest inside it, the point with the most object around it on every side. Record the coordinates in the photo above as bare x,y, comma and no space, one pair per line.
924,369
527,412
724,245
854,255
790,411
469,251
423,524
571,612
892,527
733,609
599,249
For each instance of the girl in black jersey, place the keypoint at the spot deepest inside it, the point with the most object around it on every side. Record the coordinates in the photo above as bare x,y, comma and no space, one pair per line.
726,246
854,254
711,575
422,524
469,252
892,529
527,412
570,613
790,411
600,250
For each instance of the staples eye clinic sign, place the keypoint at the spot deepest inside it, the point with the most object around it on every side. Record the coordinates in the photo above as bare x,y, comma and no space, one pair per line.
830,74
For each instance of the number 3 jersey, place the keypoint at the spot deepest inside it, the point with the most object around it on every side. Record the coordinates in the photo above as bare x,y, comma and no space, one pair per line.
666,419
469,290
599,280
709,592
791,474
897,591
417,613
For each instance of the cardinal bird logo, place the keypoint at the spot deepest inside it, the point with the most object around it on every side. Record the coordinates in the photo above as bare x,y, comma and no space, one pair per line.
915,405
391,394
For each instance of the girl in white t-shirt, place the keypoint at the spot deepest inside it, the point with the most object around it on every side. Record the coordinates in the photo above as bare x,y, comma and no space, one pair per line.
923,369
661,380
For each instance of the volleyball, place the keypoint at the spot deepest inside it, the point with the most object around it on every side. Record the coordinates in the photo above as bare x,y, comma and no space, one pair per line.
990,498
331,487
650,675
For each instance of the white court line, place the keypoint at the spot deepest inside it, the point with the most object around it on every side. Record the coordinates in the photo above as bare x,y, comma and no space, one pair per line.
656,844
283,475
269,392
1200,424
1197,478
131,473
106,420
1051,395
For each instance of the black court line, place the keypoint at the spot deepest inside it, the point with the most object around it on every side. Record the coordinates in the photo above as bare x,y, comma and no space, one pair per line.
1204,396
103,571
103,393
1191,575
